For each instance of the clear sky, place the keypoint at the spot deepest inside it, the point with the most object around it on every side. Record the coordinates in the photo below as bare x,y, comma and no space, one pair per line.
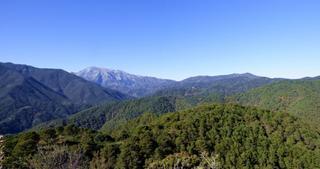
165,38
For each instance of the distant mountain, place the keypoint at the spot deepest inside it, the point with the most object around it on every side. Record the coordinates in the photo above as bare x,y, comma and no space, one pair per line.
130,84
29,96
215,88
74,88
139,86
179,96
230,80
298,97
200,80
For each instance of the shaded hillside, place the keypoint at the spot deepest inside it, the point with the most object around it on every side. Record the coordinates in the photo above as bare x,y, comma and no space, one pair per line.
73,87
26,102
216,136
29,96
133,85
299,97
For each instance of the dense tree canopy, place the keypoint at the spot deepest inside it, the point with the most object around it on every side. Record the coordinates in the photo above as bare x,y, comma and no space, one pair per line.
298,97
215,136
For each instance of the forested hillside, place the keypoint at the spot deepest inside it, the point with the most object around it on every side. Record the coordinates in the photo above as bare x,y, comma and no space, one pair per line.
69,85
185,94
216,136
30,96
108,116
298,97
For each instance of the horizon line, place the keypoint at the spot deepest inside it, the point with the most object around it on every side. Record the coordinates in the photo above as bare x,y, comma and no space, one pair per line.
150,76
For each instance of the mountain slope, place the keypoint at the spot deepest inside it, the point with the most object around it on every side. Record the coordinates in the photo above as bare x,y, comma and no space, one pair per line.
183,95
22,99
74,88
299,97
132,85
29,96
215,88
240,137
213,136
110,115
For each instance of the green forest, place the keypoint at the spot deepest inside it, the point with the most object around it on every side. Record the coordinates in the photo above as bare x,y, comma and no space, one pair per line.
237,121
209,136
299,97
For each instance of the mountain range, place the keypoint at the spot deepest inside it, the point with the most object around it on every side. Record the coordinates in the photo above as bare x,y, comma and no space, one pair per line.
112,119
297,97
101,98
133,85
178,96
141,86
29,96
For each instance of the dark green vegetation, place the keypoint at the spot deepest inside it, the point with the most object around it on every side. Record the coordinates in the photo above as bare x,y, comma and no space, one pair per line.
185,94
298,97
29,96
111,115
111,131
217,136
108,116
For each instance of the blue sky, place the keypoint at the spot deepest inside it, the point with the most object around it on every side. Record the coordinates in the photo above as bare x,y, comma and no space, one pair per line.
165,38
